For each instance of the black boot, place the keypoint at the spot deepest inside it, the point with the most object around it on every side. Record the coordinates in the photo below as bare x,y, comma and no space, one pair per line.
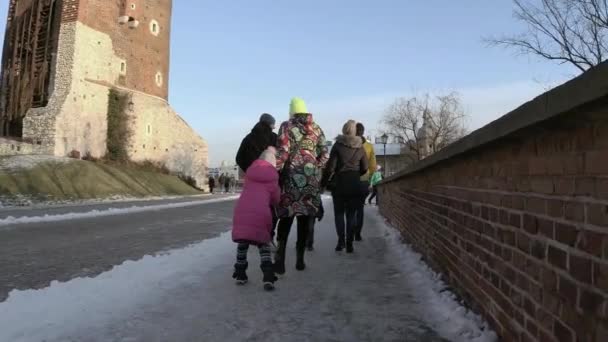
279,260
240,274
300,265
269,277
349,247
358,237
340,246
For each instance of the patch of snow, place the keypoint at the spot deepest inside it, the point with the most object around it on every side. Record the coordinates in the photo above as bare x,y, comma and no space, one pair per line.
25,162
441,307
63,308
10,220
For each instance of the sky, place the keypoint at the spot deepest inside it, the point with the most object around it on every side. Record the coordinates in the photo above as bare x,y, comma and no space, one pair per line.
348,59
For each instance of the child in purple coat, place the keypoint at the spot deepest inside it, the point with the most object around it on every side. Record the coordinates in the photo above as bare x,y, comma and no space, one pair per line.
252,223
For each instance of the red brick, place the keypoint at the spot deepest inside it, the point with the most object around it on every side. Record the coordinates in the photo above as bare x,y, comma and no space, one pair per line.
530,225
555,208
529,307
549,279
581,268
574,164
597,214
562,332
584,186
564,186
547,337
591,242
568,290
484,213
600,275
515,220
503,217
551,303
517,202
542,185
575,211
545,228
557,257
590,302
532,327
566,234
545,319
536,205
523,243
508,237
601,188
596,162
539,249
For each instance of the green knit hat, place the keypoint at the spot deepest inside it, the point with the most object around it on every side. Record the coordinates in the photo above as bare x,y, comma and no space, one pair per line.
297,106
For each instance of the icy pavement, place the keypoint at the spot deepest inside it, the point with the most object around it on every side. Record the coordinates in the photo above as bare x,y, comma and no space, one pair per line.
380,293
13,221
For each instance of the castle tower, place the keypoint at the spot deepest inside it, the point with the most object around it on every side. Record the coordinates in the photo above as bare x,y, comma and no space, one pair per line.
62,61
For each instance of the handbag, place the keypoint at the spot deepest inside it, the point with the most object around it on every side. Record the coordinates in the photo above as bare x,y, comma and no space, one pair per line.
332,182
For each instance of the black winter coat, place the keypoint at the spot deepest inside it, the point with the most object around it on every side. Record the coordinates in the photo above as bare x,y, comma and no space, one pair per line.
348,161
254,144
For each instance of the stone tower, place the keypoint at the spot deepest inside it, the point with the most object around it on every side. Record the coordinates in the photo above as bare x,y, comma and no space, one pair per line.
61,60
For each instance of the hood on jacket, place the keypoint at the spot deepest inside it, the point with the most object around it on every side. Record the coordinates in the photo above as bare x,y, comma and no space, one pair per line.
262,171
351,141
261,128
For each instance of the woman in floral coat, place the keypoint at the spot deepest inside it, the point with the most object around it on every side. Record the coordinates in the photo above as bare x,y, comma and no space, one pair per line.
301,156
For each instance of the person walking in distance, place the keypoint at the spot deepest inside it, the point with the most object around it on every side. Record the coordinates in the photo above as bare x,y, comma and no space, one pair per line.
376,178
371,158
302,154
347,163
211,184
253,218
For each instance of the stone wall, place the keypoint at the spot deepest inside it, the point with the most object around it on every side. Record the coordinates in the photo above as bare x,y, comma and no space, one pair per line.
515,216
15,147
160,134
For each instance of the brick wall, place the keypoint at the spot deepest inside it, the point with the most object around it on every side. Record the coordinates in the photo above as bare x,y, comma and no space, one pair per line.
516,216
144,53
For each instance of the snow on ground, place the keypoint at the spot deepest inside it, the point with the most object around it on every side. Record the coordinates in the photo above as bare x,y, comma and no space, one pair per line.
11,221
383,292
22,162
62,308
449,316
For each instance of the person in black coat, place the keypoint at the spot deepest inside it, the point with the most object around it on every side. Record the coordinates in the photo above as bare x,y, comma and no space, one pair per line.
256,142
347,163
211,183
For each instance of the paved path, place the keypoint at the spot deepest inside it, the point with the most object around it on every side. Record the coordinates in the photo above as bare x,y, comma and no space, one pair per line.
187,294
33,255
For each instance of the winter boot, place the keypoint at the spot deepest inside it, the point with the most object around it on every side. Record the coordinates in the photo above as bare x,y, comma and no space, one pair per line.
269,277
279,259
240,274
349,247
300,265
340,245
358,237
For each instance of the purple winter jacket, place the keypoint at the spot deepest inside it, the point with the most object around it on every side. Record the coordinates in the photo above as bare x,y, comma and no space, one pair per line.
252,216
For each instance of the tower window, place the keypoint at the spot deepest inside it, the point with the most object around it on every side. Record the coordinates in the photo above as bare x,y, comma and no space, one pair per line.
159,79
154,27
149,129
123,67
132,6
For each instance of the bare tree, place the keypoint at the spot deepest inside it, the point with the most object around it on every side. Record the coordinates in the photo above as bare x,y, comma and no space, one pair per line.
566,31
426,123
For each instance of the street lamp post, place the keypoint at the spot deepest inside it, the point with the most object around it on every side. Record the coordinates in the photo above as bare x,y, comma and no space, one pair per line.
384,140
